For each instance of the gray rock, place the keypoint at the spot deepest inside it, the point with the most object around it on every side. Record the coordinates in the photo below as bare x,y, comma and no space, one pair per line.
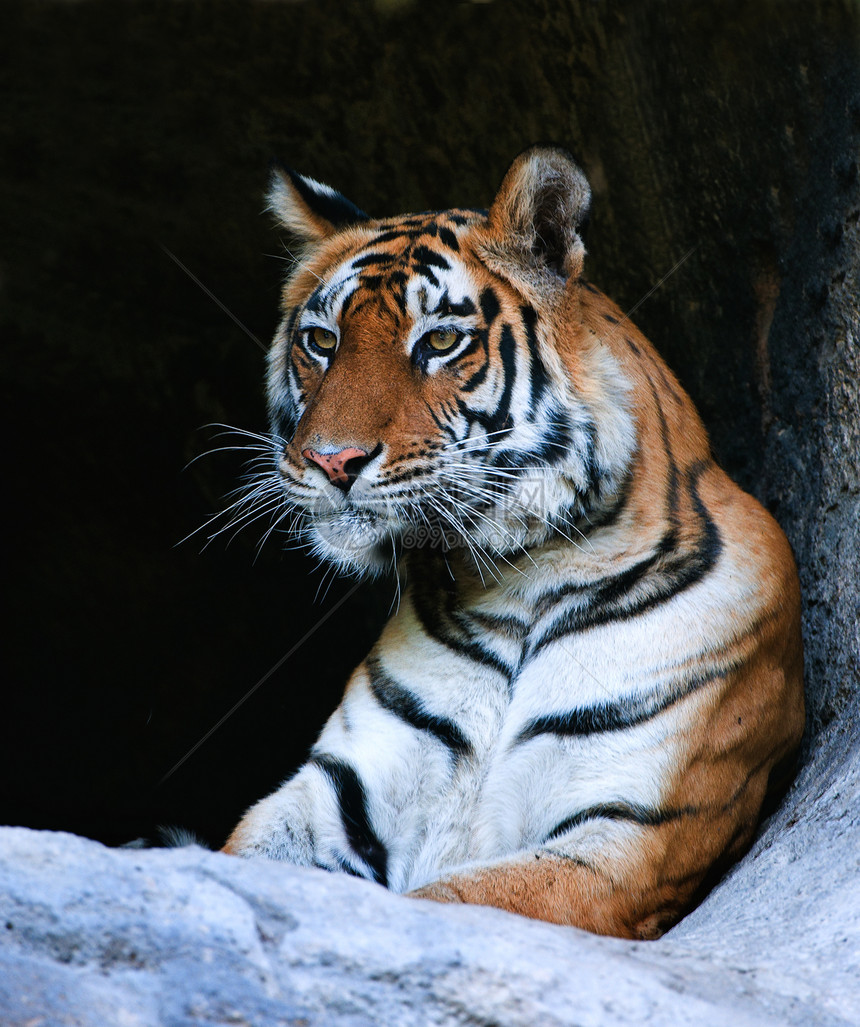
95,936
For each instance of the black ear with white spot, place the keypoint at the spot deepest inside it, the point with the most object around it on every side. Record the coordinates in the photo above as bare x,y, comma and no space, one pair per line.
307,209
538,214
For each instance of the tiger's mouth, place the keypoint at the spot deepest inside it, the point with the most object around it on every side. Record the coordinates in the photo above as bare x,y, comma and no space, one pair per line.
351,528
364,533
356,538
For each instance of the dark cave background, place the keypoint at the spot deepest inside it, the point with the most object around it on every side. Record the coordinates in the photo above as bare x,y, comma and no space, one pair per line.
720,135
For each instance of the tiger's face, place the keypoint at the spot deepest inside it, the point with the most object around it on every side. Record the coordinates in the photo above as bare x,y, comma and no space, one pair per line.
418,395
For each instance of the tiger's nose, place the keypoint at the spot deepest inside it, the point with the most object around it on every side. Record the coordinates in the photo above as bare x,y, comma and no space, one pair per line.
342,468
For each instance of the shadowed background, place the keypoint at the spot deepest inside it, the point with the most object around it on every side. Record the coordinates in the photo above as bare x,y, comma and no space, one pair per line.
729,130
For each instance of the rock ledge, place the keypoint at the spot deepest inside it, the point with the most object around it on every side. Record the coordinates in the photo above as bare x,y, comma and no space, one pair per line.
95,936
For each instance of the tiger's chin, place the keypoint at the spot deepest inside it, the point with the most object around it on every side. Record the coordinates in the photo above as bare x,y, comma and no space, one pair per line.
356,542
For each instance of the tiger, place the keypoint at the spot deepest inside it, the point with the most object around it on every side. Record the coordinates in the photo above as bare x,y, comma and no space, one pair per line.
592,679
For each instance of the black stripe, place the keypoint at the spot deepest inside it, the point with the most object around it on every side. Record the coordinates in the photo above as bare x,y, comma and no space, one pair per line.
349,299
342,865
315,301
464,219
425,271
617,716
604,517
462,309
660,368
404,704
471,346
285,417
537,372
428,258
429,608
556,441
508,626
649,583
361,303
372,260
443,426
672,487
446,307
510,459
397,292
489,305
371,282
397,233
585,444
631,811
500,418
352,800
478,377
408,474
447,237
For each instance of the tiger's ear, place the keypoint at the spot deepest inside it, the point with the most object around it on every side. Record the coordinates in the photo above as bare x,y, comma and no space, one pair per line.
307,209
537,215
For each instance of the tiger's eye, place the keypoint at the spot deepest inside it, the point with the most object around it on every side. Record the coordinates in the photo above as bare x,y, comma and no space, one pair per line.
322,338
442,339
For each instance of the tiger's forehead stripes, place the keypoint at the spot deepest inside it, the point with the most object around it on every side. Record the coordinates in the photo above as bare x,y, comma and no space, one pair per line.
401,264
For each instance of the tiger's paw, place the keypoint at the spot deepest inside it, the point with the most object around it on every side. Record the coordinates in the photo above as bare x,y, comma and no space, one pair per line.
438,891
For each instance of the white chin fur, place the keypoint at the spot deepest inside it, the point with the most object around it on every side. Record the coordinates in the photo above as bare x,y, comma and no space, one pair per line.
355,543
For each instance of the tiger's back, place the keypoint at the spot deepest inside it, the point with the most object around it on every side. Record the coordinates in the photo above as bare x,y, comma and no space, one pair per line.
595,668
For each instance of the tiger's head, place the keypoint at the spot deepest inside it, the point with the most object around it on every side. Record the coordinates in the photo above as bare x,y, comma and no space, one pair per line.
428,384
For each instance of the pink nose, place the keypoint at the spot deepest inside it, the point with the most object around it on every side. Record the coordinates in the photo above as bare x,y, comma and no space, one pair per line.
334,464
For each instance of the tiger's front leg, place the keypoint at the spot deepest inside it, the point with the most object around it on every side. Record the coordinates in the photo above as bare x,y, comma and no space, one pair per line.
318,818
362,802
547,885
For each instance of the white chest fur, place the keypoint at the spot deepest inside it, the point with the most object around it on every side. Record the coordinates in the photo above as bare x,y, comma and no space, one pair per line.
474,740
